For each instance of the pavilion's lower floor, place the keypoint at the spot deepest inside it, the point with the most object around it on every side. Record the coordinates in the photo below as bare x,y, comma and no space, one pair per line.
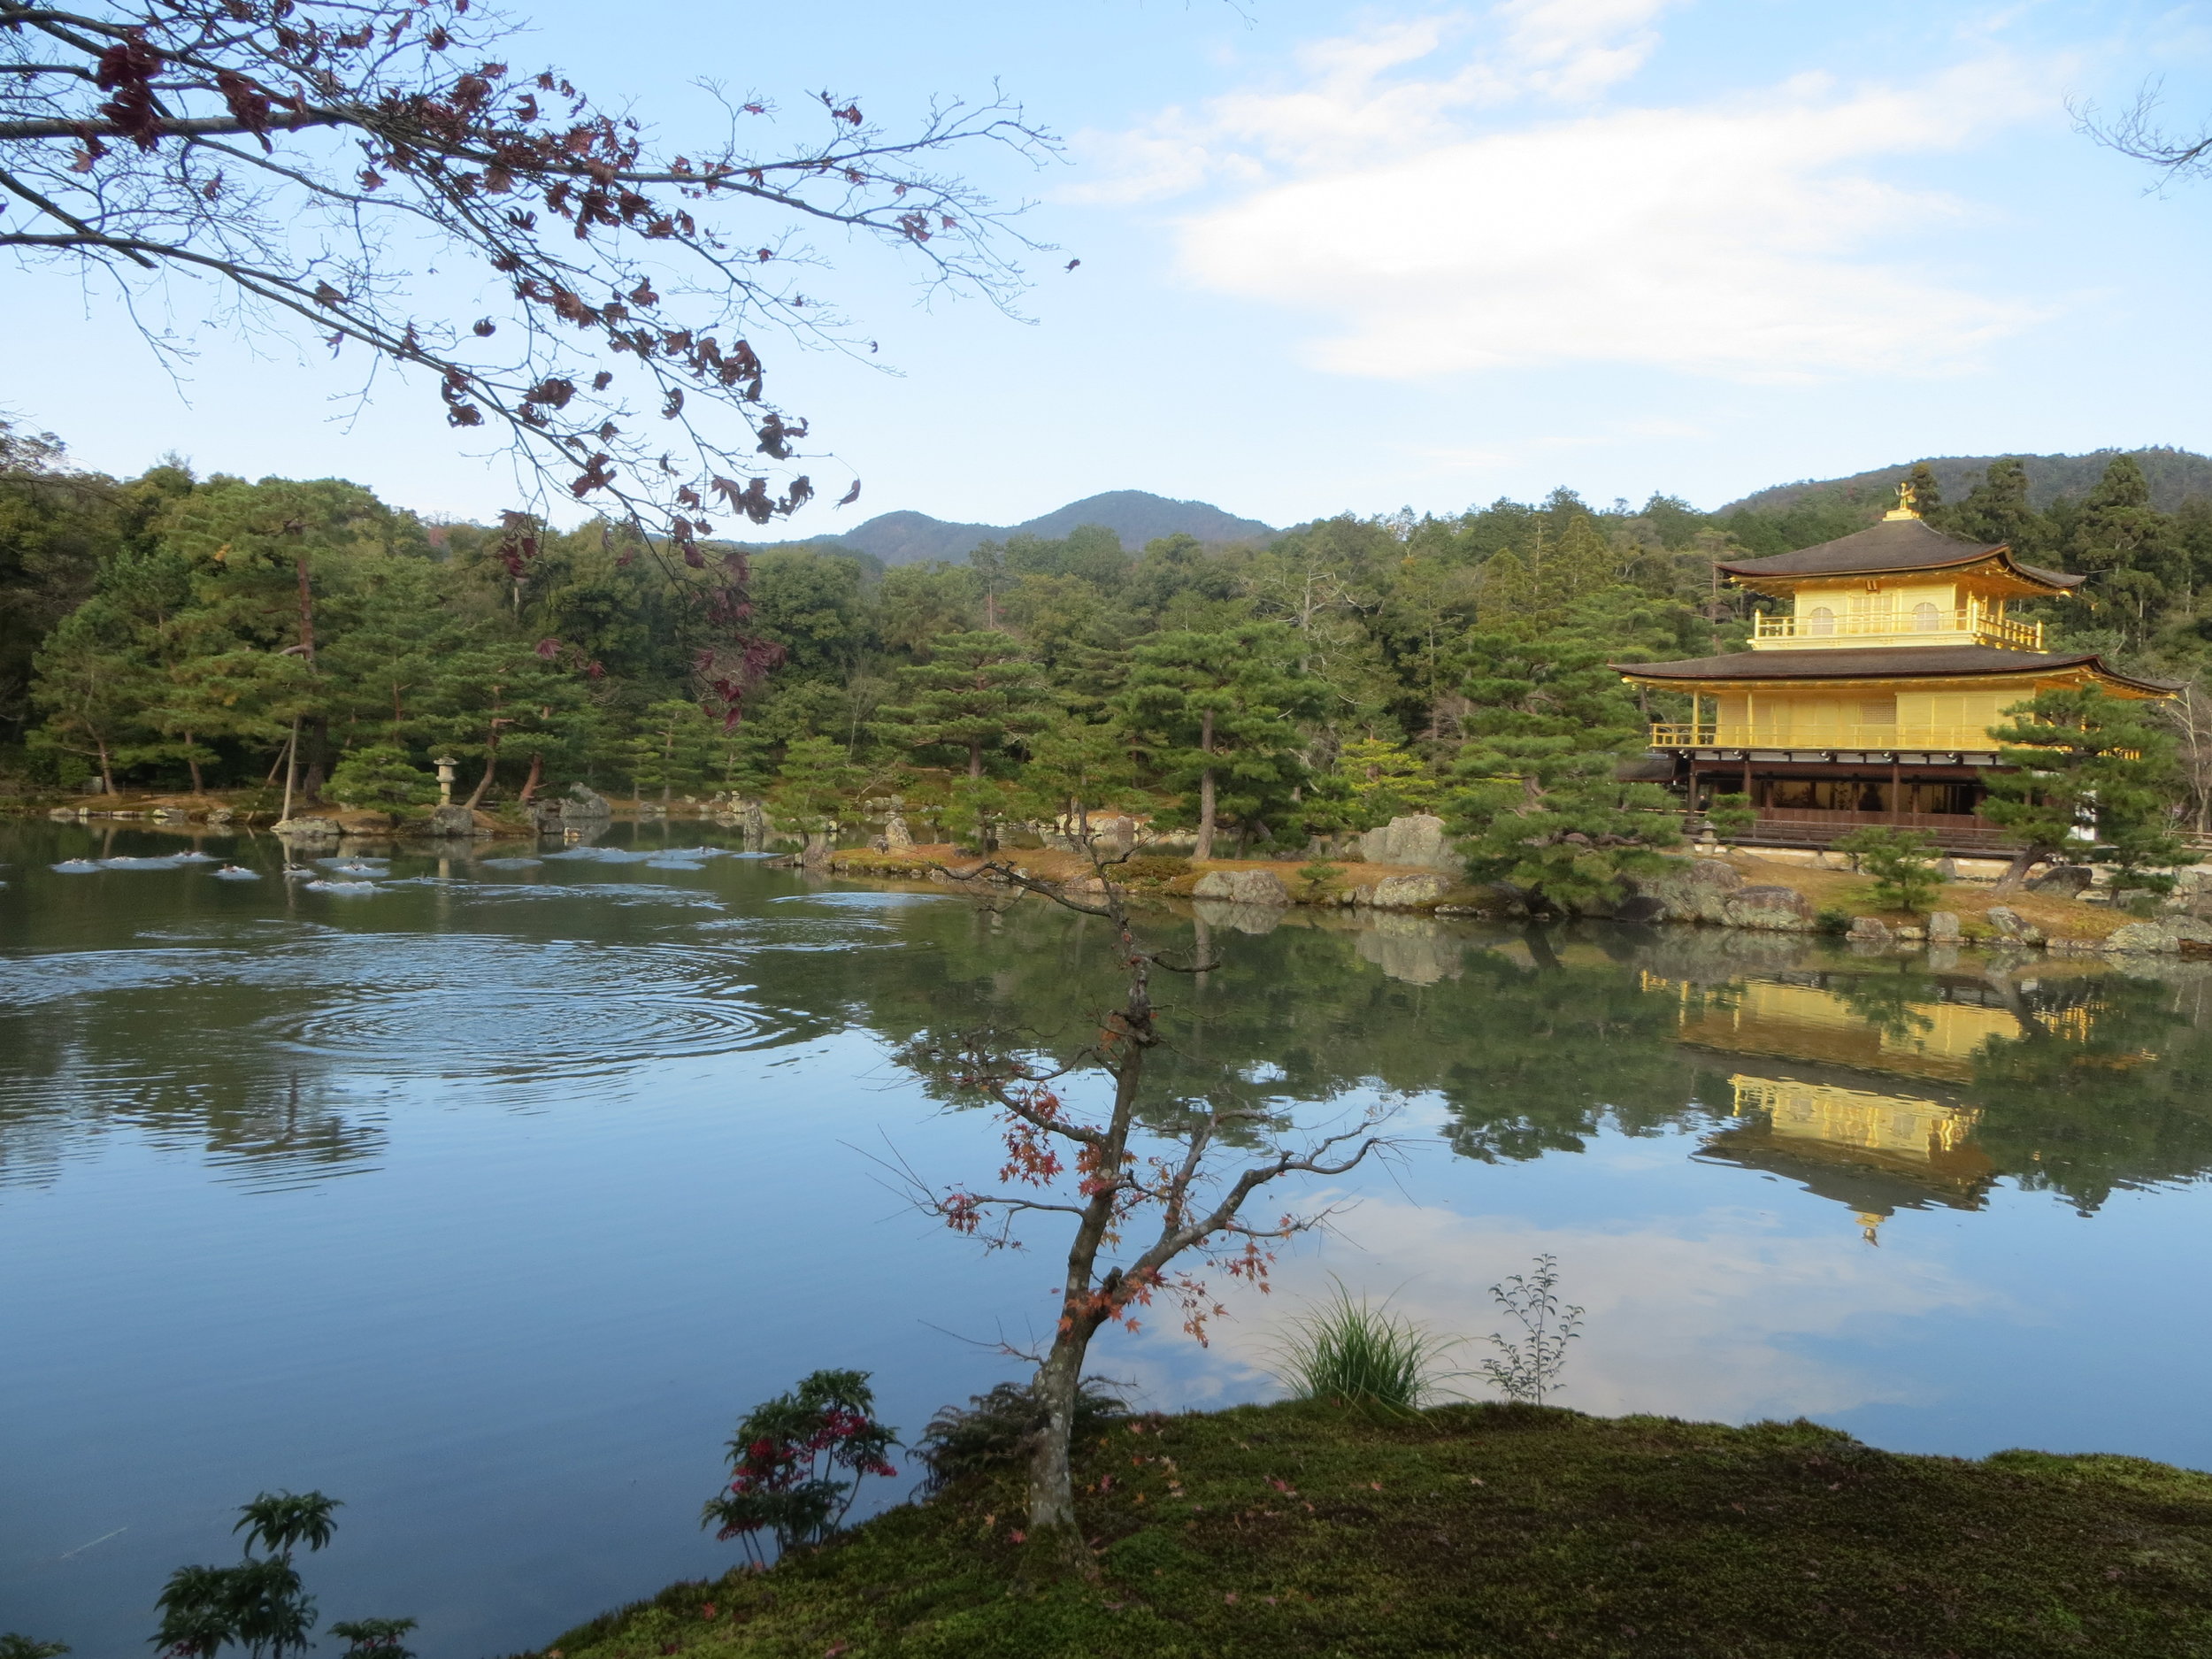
1809,802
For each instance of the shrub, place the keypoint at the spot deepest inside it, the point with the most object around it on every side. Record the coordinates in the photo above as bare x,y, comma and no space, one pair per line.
992,1430
785,1459
1355,1352
1731,814
1830,920
381,777
1901,861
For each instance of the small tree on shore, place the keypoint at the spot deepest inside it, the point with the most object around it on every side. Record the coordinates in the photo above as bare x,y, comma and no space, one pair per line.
1901,861
1066,1160
380,777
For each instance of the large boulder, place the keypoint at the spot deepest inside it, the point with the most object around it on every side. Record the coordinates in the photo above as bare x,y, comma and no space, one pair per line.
896,837
584,804
2007,924
1773,909
308,829
1242,887
1694,890
1943,927
2064,880
1403,893
2168,936
1418,840
1869,930
452,822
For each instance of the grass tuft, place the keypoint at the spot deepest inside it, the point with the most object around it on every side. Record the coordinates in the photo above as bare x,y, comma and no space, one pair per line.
1362,1354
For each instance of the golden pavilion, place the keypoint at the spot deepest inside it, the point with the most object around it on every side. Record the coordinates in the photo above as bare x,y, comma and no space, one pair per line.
1870,699
1860,1111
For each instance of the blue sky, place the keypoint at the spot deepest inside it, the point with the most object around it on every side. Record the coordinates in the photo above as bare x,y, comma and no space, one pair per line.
1363,257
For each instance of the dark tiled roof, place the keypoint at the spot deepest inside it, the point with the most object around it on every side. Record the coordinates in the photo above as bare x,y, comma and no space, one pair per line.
1894,544
1885,661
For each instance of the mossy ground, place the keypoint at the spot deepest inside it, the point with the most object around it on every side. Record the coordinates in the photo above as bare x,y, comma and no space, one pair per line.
1473,1531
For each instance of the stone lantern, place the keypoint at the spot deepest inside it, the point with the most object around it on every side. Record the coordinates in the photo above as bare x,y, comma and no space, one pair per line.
447,769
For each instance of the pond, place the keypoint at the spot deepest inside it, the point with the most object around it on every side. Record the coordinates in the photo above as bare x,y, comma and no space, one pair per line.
487,1198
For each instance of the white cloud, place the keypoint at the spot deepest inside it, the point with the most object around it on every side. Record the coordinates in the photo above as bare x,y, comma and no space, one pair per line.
1408,191
1719,1317
1574,49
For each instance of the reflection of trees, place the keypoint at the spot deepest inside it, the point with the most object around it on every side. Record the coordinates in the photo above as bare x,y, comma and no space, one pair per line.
1893,999
2106,1084
2108,1087
1527,1059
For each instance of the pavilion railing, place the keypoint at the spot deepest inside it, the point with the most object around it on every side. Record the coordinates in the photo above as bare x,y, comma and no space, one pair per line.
1930,626
1717,735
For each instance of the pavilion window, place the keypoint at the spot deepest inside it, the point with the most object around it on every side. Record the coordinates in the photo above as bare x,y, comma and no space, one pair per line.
1925,618
1820,619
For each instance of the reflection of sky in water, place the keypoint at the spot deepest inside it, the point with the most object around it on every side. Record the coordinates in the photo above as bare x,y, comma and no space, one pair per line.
607,1138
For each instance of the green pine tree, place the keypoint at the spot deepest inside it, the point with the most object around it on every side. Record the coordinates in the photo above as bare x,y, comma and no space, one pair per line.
381,777
975,699
2086,775
1215,713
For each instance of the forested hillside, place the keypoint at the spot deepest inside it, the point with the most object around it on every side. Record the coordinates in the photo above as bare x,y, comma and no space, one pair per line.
1136,515
2174,476
178,632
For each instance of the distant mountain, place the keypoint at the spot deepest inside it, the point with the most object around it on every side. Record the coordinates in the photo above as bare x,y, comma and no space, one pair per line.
2174,475
1136,515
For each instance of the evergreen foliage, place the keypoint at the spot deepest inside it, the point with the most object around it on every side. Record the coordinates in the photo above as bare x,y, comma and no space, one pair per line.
170,632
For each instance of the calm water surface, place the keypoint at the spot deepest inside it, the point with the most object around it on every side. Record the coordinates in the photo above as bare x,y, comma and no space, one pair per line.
488,1200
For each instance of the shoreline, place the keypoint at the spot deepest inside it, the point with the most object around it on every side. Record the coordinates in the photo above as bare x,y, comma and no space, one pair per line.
1737,888
1485,1530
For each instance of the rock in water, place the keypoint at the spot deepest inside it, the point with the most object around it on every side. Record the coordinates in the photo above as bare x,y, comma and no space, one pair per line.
2167,936
896,837
451,823
1242,887
1774,910
585,805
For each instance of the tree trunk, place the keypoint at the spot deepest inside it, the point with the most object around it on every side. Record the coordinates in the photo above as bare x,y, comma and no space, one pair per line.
537,776
317,741
192,764
484,783
1086,1304
975,760
291,767
1205,847
107,772
2016,871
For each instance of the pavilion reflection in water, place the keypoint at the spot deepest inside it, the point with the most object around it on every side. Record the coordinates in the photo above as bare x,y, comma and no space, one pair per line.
1819,1103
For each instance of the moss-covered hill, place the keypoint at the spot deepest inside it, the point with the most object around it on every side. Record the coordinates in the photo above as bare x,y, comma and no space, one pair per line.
1492,1530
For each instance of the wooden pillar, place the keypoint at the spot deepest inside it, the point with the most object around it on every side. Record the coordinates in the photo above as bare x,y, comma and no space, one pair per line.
1896,789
